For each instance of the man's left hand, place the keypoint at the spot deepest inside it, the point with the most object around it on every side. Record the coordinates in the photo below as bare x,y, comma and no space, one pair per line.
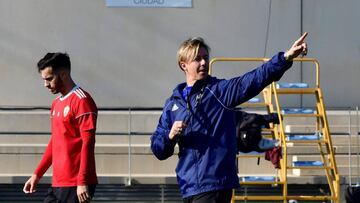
83,193
299,47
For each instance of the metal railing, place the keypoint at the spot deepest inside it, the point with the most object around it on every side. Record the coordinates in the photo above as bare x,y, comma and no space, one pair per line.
130,132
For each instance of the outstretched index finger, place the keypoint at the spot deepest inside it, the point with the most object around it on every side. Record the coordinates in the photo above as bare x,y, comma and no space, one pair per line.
301,39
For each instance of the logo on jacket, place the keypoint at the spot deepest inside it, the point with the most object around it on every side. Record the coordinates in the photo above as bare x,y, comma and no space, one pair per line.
175,107
66,110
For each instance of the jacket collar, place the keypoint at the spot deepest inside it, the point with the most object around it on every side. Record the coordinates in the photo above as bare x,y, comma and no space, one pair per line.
177,92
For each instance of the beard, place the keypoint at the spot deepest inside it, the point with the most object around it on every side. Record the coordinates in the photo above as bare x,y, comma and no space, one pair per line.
58,87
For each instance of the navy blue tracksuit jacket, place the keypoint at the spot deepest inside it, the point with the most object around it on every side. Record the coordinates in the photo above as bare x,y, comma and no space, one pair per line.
207,149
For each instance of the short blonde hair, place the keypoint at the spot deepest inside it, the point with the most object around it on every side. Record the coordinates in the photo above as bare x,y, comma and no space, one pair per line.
189,49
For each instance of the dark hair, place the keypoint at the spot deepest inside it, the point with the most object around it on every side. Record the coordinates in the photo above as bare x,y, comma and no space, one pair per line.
56,60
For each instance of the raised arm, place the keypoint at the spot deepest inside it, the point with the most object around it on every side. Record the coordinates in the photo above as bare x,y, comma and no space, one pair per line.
237,90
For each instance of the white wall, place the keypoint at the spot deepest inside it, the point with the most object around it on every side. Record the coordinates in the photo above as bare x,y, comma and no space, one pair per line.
127,56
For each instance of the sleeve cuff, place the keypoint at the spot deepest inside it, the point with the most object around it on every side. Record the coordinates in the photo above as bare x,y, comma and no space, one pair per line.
282,56
283,59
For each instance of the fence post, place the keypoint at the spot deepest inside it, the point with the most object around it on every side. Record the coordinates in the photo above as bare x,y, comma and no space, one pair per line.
129,149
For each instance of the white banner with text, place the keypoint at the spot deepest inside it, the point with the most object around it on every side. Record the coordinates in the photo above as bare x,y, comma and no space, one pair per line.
150,3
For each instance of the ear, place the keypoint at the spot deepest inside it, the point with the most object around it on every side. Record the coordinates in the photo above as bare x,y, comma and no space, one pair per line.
183,66
63,74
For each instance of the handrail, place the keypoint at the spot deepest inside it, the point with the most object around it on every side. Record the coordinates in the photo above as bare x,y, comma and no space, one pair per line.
129,110
212,61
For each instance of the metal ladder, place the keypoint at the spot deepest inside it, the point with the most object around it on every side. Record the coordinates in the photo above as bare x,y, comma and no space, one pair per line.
290,141
320,138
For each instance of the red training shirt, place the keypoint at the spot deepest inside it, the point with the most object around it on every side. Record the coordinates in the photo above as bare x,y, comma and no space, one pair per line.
71,147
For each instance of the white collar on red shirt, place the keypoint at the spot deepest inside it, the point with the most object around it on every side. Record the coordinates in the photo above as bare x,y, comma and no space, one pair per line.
69,93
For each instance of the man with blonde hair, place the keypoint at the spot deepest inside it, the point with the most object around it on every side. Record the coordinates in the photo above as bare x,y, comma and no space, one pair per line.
199,116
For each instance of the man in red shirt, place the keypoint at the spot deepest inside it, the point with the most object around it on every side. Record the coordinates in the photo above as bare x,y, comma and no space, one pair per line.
71,147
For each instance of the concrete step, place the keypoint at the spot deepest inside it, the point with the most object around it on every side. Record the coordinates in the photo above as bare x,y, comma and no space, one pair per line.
114,159
146,121
110,158
108,121
23,138
109,165
105,193
308,150
153,193
22,151
100,139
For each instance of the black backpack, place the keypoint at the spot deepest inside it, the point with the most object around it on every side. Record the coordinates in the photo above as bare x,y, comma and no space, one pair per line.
248,129
352,194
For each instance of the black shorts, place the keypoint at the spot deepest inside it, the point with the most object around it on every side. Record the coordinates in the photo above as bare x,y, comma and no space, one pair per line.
65,194
218,196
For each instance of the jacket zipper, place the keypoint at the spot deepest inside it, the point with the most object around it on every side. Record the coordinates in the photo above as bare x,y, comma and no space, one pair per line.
188,122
